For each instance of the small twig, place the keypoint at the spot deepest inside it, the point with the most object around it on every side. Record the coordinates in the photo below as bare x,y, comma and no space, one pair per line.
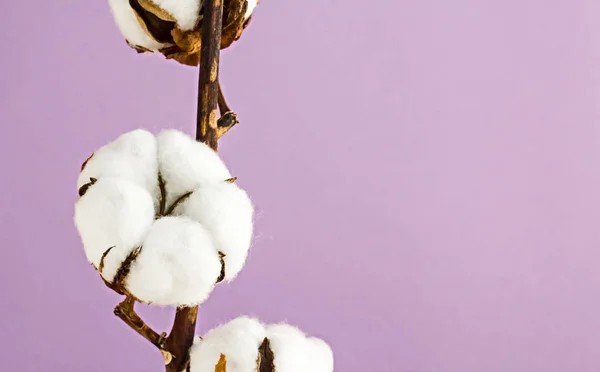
228,118
222,103
225,123
176,203
125,311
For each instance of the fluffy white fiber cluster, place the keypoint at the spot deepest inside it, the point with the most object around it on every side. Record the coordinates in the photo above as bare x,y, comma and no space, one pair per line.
180,257
240,340
185,12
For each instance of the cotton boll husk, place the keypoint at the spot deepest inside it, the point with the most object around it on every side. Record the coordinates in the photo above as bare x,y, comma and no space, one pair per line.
227,212
295,352
130,28
177,265
186,164
132,157
113,213
238,340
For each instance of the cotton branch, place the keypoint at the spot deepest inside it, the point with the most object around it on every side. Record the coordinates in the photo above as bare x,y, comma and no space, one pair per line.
208,131
168,31
126,313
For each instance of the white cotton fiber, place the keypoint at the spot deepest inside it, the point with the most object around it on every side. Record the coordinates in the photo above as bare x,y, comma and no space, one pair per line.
185,164
132,157
322,355
186,12
251,6
295,352
178,264
113,213
227,212
130,28
238,340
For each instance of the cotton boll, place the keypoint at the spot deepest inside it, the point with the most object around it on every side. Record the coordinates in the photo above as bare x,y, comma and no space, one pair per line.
294,352
238,340
132,157
185,164
130,27
113,213
227,212
178,264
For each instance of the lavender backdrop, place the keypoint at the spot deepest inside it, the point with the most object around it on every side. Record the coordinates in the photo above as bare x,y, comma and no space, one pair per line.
426,175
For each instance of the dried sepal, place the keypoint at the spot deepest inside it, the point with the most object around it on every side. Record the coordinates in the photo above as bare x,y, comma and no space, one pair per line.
265,359
83,189
221,364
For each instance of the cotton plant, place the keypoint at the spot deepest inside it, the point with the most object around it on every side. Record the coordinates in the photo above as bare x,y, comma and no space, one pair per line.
162,219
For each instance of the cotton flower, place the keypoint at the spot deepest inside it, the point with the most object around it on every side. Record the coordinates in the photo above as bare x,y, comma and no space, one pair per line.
160,218
173,27
241,341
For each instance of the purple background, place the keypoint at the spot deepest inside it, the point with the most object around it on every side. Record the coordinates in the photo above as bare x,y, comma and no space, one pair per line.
425,171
